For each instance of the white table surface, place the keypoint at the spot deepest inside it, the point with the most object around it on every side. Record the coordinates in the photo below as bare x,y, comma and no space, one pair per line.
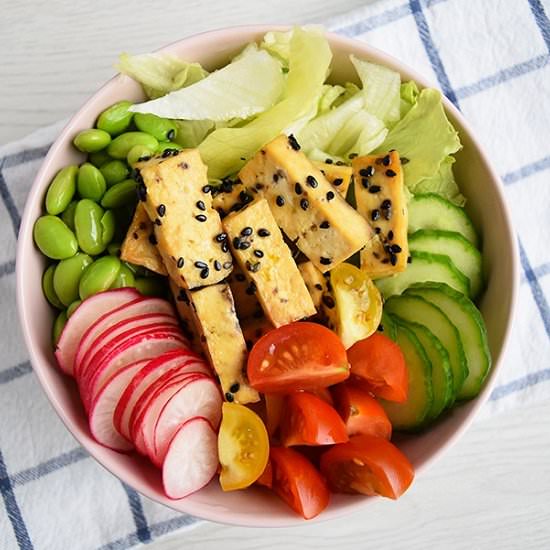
492,490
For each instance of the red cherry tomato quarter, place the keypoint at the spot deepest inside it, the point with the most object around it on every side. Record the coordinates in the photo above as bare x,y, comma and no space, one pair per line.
368,465
378,363
298,356
298,482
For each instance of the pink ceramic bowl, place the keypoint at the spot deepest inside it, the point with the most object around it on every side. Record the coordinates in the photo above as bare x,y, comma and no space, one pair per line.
256,507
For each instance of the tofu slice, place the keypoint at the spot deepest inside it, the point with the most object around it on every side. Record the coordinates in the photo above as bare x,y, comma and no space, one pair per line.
223,342
188,230
315,282
232,198
381,200
257,245
185,313
305,205
244,295
137,248
338,175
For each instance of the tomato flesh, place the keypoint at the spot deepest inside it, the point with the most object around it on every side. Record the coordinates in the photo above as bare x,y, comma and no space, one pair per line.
298,356
361,413
266,479
298,482
368,465
378,364
308,420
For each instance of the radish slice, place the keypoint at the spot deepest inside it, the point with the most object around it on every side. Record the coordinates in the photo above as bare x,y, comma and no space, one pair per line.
92,308
201,397
110,319
192,459
101,411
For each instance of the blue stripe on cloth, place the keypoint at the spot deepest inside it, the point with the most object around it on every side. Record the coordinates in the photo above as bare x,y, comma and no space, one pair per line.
542,270
28,155
526,171
17,371
7,268
542,20
431,51
142,529
519,384
9,203
505,75
536,289
49,466
12,508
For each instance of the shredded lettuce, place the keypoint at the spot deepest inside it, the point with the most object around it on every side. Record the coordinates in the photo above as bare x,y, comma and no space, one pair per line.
192,132
443,183
380,88
360,134
277,43
224,149
350,89
409,94
424,136
160,74
247,86
329,96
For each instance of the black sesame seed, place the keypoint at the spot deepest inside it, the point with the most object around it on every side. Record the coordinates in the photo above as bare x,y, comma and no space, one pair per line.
353,155
182,297
386,203
386,161
409,260
226,186
275,177
330,195
374,189
240,277
258,254
229,397
328,161
243,245
304,204
236,242
293,143
380,328
180,263
135,235
204,273
153,239
325,261
228,265
144,158
298,188
365,182
405,160
161,209
259,186
225,246
251,288
312,182
328,301
142,192
221,237
207,189
235,387
393,259
390,235
387,214
385,261
337,182
200,265
340,163
182,165
318,286
390,173
324,225
377,230
263,233
395,248
217,265
200,205
246,232
375,215
201,218
365,173
157,221
280,201
253,267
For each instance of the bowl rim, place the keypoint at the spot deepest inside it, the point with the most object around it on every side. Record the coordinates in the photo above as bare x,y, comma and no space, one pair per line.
344,43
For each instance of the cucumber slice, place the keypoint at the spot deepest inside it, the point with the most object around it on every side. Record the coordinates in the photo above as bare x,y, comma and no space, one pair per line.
431,211
390,328
418,310
460,250
442,375
467,319
425,267
412,413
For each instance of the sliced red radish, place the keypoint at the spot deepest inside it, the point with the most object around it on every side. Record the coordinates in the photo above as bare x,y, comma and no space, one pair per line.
110,319
191,460
201,397
101,411
83,317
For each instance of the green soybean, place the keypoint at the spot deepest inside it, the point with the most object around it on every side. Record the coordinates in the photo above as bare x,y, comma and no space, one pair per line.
89,231
99,276
67,277
114,171
168,145
150,286
68,214
73,307
91,141
162,129
58,326
61,190
124,278
54,239
121,145
138,152
108,227
48,289
114,248
120,194
99,159
90,182
116,118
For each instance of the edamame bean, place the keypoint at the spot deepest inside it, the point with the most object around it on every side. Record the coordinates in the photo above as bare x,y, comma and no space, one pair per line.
68,214
168,145
67,277
99,159
54,239
162,129
121,145
61,190
107,227
58,326
124,278
120,194
137,153
150,286
92,140
48,289
90,183
99,276
114,248
73,307
116,118
89,231
114,171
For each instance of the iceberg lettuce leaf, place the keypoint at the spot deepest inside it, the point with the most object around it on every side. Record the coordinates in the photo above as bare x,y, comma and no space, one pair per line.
443,183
